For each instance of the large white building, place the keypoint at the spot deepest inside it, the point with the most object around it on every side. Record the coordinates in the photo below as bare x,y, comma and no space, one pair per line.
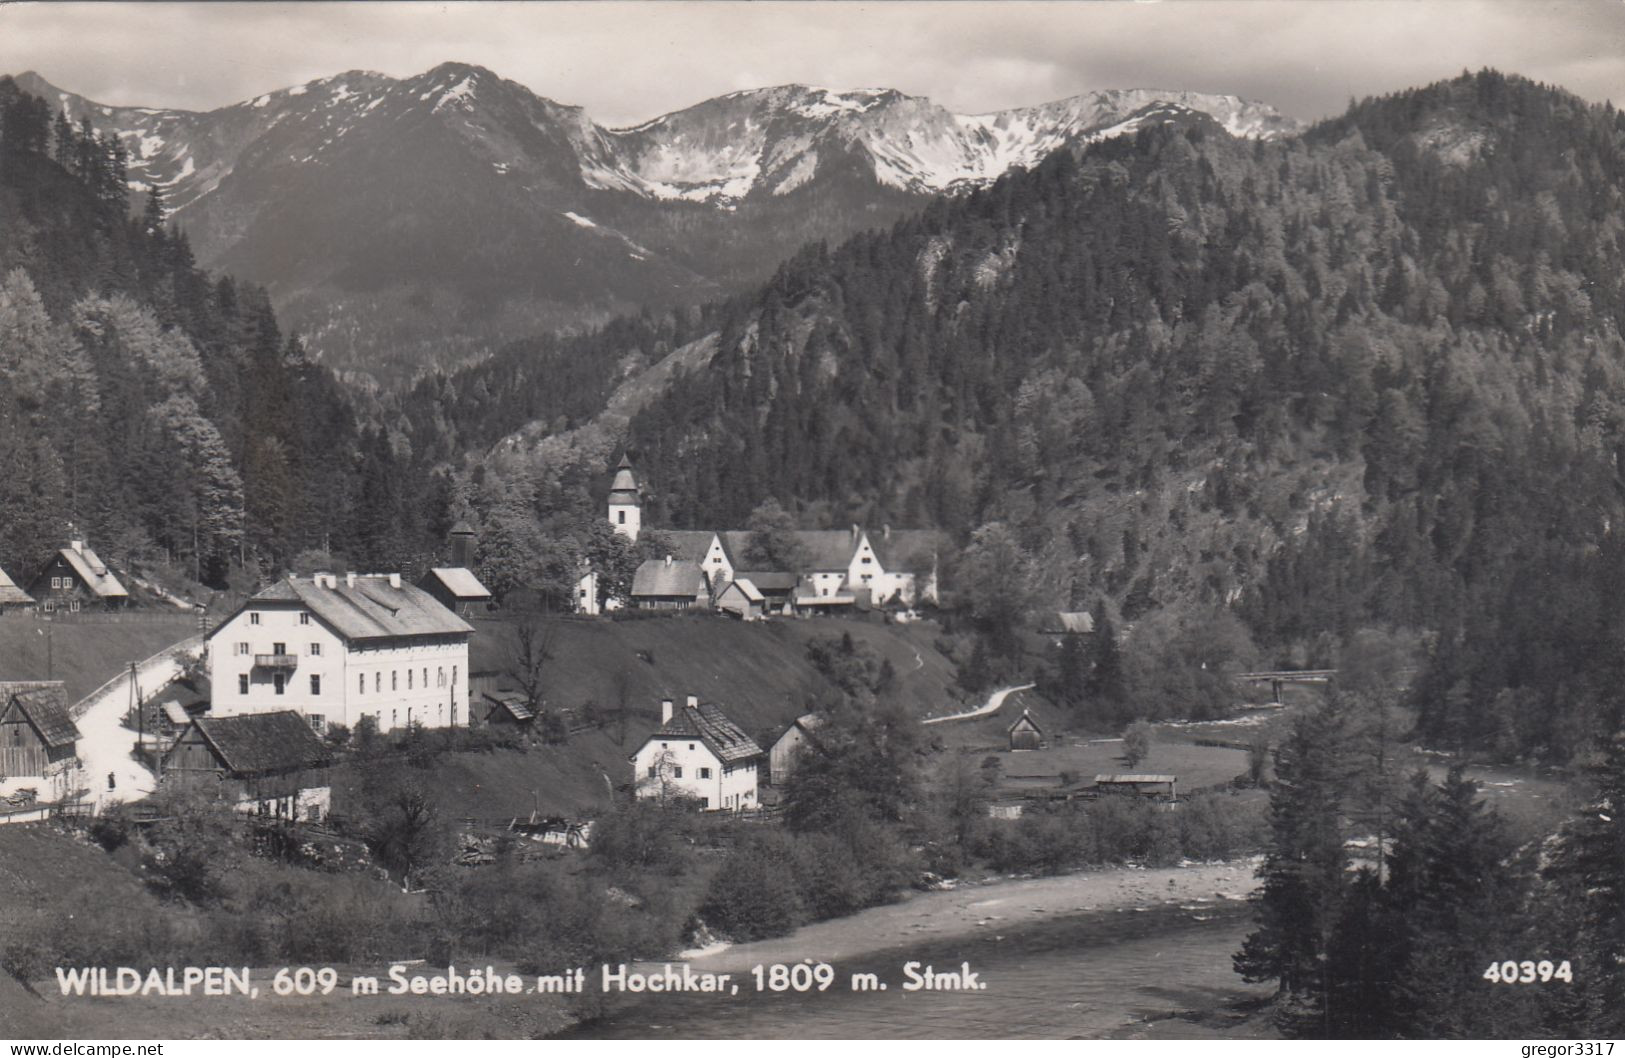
335,648
698,752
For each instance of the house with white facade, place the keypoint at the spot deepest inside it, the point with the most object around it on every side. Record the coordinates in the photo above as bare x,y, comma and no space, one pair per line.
335,648
839,568
697,752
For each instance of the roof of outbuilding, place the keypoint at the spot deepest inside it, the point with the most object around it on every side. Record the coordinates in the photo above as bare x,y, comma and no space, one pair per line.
773,581
460,581
94,572
1132,778
746,588
711,725
657,577
10,593
1026,718
45,704
253,743
369,609
1080,622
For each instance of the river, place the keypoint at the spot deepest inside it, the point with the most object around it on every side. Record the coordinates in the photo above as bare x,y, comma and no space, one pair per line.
1164,971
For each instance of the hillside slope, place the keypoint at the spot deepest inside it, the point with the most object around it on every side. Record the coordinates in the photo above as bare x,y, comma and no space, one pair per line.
758,673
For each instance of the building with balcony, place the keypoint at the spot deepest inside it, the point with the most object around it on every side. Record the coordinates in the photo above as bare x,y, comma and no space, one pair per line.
335,648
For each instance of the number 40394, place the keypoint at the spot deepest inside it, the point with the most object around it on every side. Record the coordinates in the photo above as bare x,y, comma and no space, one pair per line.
1528,972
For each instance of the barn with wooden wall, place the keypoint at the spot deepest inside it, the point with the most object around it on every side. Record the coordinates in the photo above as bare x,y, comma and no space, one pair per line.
38,739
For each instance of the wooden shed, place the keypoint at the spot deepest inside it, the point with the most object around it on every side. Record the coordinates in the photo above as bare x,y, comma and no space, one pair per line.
38,739
266,763
1162,787
1025,733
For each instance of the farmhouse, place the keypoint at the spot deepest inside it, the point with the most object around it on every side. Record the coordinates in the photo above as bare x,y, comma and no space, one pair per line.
457,589
670,584
337,648
11,596
74,577
791,745
698,752
38,741
270,764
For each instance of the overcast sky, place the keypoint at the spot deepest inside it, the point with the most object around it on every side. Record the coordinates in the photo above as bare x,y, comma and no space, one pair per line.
626,62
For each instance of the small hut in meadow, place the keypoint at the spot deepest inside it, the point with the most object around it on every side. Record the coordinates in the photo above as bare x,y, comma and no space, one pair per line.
1025,733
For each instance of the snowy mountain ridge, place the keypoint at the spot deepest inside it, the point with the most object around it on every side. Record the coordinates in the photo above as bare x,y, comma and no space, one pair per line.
767,140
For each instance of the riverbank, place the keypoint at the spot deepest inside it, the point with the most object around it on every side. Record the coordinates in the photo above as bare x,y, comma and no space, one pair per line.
987,909
1116,953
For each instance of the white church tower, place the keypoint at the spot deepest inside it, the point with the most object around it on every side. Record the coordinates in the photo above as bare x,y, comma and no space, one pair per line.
625,502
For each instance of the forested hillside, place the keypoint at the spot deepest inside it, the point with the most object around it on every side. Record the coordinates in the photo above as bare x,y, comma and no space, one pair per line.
155,408
1369,377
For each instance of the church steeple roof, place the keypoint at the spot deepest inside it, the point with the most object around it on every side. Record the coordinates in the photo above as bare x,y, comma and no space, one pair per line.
624,489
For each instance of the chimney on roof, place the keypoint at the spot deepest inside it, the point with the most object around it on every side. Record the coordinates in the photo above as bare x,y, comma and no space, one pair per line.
668,561
349,579
323,580
77,544
665,710
693,701
855,532
394,580
885,532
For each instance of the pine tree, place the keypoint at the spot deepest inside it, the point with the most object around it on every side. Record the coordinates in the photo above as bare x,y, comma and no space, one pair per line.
1302,897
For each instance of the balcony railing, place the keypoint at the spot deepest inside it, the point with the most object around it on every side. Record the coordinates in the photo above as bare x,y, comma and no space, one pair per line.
276,661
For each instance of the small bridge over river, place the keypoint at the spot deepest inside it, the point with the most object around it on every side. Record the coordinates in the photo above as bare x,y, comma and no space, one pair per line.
1284,676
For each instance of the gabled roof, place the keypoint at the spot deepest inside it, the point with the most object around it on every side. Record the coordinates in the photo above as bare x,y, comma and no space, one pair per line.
10,594
263,742
746,588
369,609
659,578
513,701
460,582
710,725
827,550
1025,718
45,705
687,545
94,572
771,581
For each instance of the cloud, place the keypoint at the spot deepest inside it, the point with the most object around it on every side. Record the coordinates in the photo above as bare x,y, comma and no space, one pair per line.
628,61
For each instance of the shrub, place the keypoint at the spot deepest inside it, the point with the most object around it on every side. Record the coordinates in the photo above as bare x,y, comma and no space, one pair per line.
1137,743
753,895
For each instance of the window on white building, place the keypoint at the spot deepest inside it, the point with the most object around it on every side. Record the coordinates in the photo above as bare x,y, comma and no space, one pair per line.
281,682
242,684
705,773
361,683
677,772
315,650
304,618
394,681
318,722
620,517
315,685
377,682
408,679
242,650
253,617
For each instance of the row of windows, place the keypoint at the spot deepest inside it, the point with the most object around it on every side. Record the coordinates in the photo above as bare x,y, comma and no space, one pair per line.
280,682
254,618
676,772
395,681
244,649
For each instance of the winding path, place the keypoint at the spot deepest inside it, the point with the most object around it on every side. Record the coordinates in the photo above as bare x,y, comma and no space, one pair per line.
994,701
105,744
